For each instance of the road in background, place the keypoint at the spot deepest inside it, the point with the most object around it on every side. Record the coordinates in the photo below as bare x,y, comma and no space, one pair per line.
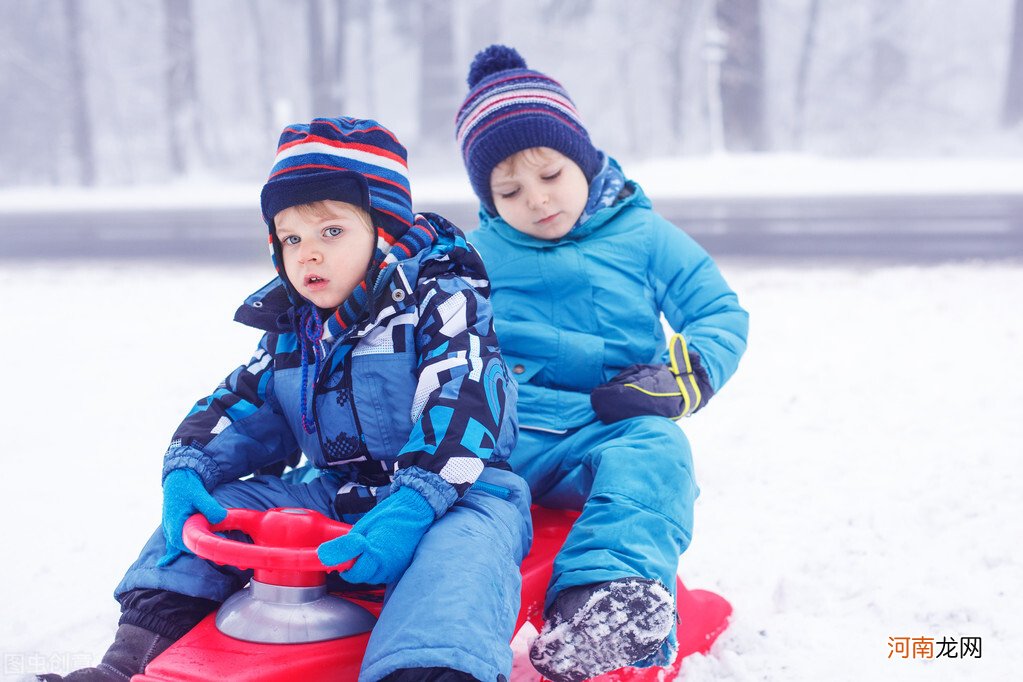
888,229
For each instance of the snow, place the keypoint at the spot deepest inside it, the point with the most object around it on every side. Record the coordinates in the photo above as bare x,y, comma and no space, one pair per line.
859,474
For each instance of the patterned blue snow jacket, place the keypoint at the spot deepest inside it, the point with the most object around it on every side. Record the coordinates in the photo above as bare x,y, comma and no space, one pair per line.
415,395
574,312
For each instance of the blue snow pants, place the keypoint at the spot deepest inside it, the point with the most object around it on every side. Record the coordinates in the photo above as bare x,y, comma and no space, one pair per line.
633,481
455,606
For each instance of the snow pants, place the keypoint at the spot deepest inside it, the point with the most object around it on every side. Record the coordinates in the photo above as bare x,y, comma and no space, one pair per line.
455,606
633,481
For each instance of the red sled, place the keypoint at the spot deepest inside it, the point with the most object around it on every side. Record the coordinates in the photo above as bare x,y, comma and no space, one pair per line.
285,626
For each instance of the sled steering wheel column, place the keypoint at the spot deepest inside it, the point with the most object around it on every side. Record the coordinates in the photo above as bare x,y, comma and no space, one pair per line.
287,599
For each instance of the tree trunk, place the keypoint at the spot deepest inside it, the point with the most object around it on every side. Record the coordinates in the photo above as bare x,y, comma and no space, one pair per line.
683,17
264,92
888,59
79,114
742,75
439,87
184,126
325,29
1012,110
803,76
319,93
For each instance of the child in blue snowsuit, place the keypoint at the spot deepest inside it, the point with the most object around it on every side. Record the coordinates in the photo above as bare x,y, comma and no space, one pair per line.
379,362
582,269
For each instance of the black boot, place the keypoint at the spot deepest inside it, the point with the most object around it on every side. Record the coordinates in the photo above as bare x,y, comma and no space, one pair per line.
131,652
429,675
594,629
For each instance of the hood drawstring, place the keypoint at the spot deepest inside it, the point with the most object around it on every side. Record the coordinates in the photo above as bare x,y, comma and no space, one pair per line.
310,332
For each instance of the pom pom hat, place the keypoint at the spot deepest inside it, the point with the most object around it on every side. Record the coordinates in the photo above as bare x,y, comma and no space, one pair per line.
510,108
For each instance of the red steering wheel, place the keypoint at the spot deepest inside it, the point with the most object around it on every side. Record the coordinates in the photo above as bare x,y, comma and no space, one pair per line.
283,549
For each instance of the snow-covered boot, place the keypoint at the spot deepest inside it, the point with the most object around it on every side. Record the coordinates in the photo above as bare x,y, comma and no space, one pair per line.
131,652
593,629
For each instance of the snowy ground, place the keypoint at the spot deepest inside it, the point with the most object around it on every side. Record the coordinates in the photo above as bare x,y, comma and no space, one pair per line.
860,474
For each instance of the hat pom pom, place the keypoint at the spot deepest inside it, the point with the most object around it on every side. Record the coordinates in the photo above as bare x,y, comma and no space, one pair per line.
492,60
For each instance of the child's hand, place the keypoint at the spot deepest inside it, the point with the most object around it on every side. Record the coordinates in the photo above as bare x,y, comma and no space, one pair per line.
673,391
184,495
383,540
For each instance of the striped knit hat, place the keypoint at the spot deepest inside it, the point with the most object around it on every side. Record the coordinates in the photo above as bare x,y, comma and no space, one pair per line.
510,108
359,162
345,159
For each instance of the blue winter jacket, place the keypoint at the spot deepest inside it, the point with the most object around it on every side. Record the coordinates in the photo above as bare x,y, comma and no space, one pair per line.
418,395
572,313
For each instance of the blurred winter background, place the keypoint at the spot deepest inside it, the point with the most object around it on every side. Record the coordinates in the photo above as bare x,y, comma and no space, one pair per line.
855,167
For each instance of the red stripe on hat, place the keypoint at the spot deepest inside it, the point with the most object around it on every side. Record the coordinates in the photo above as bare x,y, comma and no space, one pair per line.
339,144
385,236
497,102
533,75
404,188
363,130
422,228
401,220
476,133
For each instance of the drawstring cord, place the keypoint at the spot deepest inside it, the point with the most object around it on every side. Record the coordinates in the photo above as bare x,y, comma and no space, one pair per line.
310,333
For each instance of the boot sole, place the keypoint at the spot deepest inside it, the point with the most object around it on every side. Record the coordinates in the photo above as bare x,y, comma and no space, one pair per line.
619,624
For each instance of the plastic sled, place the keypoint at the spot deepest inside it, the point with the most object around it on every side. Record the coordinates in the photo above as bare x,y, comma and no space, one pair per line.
286,626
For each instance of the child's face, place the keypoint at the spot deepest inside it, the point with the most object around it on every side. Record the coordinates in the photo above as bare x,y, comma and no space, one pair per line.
540,192
326,249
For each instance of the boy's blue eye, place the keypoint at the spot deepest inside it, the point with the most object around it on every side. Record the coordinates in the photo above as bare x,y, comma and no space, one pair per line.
291,239
333,231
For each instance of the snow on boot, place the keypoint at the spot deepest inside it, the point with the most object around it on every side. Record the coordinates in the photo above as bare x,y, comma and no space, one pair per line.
593,629
131,652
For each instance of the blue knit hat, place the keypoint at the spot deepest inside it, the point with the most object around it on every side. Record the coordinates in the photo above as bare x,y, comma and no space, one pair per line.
357,161
510,108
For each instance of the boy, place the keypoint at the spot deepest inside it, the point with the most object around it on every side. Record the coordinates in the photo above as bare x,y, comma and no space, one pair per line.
582,269
379,362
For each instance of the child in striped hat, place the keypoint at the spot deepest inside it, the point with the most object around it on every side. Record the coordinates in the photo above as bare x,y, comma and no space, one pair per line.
379,363
582,270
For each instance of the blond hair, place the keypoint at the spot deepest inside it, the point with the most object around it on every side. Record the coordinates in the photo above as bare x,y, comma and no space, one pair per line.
533,156
319,209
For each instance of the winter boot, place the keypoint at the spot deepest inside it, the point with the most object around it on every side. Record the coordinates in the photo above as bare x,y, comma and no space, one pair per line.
593,629
131,652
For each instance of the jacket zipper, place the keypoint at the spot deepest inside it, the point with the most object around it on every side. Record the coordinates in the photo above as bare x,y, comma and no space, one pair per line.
349,387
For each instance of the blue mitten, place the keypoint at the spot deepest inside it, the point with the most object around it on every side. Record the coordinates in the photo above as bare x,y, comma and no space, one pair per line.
184,495
674,391
384,539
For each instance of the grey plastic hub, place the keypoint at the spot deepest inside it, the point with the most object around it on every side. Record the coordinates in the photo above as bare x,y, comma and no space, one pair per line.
276,614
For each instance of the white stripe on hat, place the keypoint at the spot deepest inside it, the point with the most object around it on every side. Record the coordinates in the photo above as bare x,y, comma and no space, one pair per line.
510,96
541,98
343,153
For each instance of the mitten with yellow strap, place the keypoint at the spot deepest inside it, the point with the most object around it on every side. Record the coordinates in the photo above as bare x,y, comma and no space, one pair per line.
674,391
